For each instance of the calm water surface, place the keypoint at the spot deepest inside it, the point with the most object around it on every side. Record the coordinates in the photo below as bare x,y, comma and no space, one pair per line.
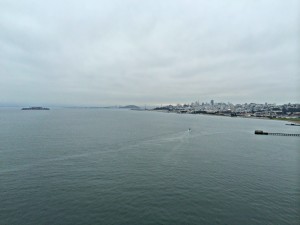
92,166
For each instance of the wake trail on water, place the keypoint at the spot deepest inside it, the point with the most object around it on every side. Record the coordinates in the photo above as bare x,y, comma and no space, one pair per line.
177,138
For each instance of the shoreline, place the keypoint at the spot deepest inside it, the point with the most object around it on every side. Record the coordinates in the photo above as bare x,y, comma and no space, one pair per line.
291,120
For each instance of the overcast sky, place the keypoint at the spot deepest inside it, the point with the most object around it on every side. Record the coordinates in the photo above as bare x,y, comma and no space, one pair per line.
111,52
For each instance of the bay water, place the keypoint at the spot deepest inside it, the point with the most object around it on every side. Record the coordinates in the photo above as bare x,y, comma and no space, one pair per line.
103,166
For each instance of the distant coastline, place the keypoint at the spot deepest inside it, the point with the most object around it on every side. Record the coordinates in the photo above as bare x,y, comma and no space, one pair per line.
285,112
287,119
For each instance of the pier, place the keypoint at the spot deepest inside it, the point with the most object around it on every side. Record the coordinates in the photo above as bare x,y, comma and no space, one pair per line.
292,124
260,132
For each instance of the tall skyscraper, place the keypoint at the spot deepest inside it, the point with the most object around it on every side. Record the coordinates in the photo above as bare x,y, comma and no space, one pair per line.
212,102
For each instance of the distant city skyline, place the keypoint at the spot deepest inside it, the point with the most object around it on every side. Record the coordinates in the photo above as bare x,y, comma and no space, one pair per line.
120,52
289,111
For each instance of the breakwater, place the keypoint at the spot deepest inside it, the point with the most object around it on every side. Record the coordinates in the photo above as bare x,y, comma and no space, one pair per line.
260,132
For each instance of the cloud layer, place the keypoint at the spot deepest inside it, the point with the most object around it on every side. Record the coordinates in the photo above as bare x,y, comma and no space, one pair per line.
111,52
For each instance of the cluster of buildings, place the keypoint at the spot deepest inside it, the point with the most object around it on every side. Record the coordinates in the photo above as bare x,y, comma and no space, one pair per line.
228,109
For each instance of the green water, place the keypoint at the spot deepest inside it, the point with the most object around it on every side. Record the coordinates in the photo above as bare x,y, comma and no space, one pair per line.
92,166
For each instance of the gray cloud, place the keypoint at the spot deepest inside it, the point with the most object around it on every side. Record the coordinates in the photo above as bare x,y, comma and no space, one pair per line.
119,52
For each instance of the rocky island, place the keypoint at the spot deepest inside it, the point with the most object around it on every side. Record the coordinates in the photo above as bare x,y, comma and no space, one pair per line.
35,108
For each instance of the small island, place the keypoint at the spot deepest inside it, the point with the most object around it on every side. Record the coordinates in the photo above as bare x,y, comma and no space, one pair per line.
35,108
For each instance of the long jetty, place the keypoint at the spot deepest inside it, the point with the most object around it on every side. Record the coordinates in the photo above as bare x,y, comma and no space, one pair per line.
260,132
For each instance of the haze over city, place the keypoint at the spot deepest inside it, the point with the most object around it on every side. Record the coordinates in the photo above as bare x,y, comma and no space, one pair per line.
118,52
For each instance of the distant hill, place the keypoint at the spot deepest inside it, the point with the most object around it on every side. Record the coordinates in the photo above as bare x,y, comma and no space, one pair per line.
129,107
